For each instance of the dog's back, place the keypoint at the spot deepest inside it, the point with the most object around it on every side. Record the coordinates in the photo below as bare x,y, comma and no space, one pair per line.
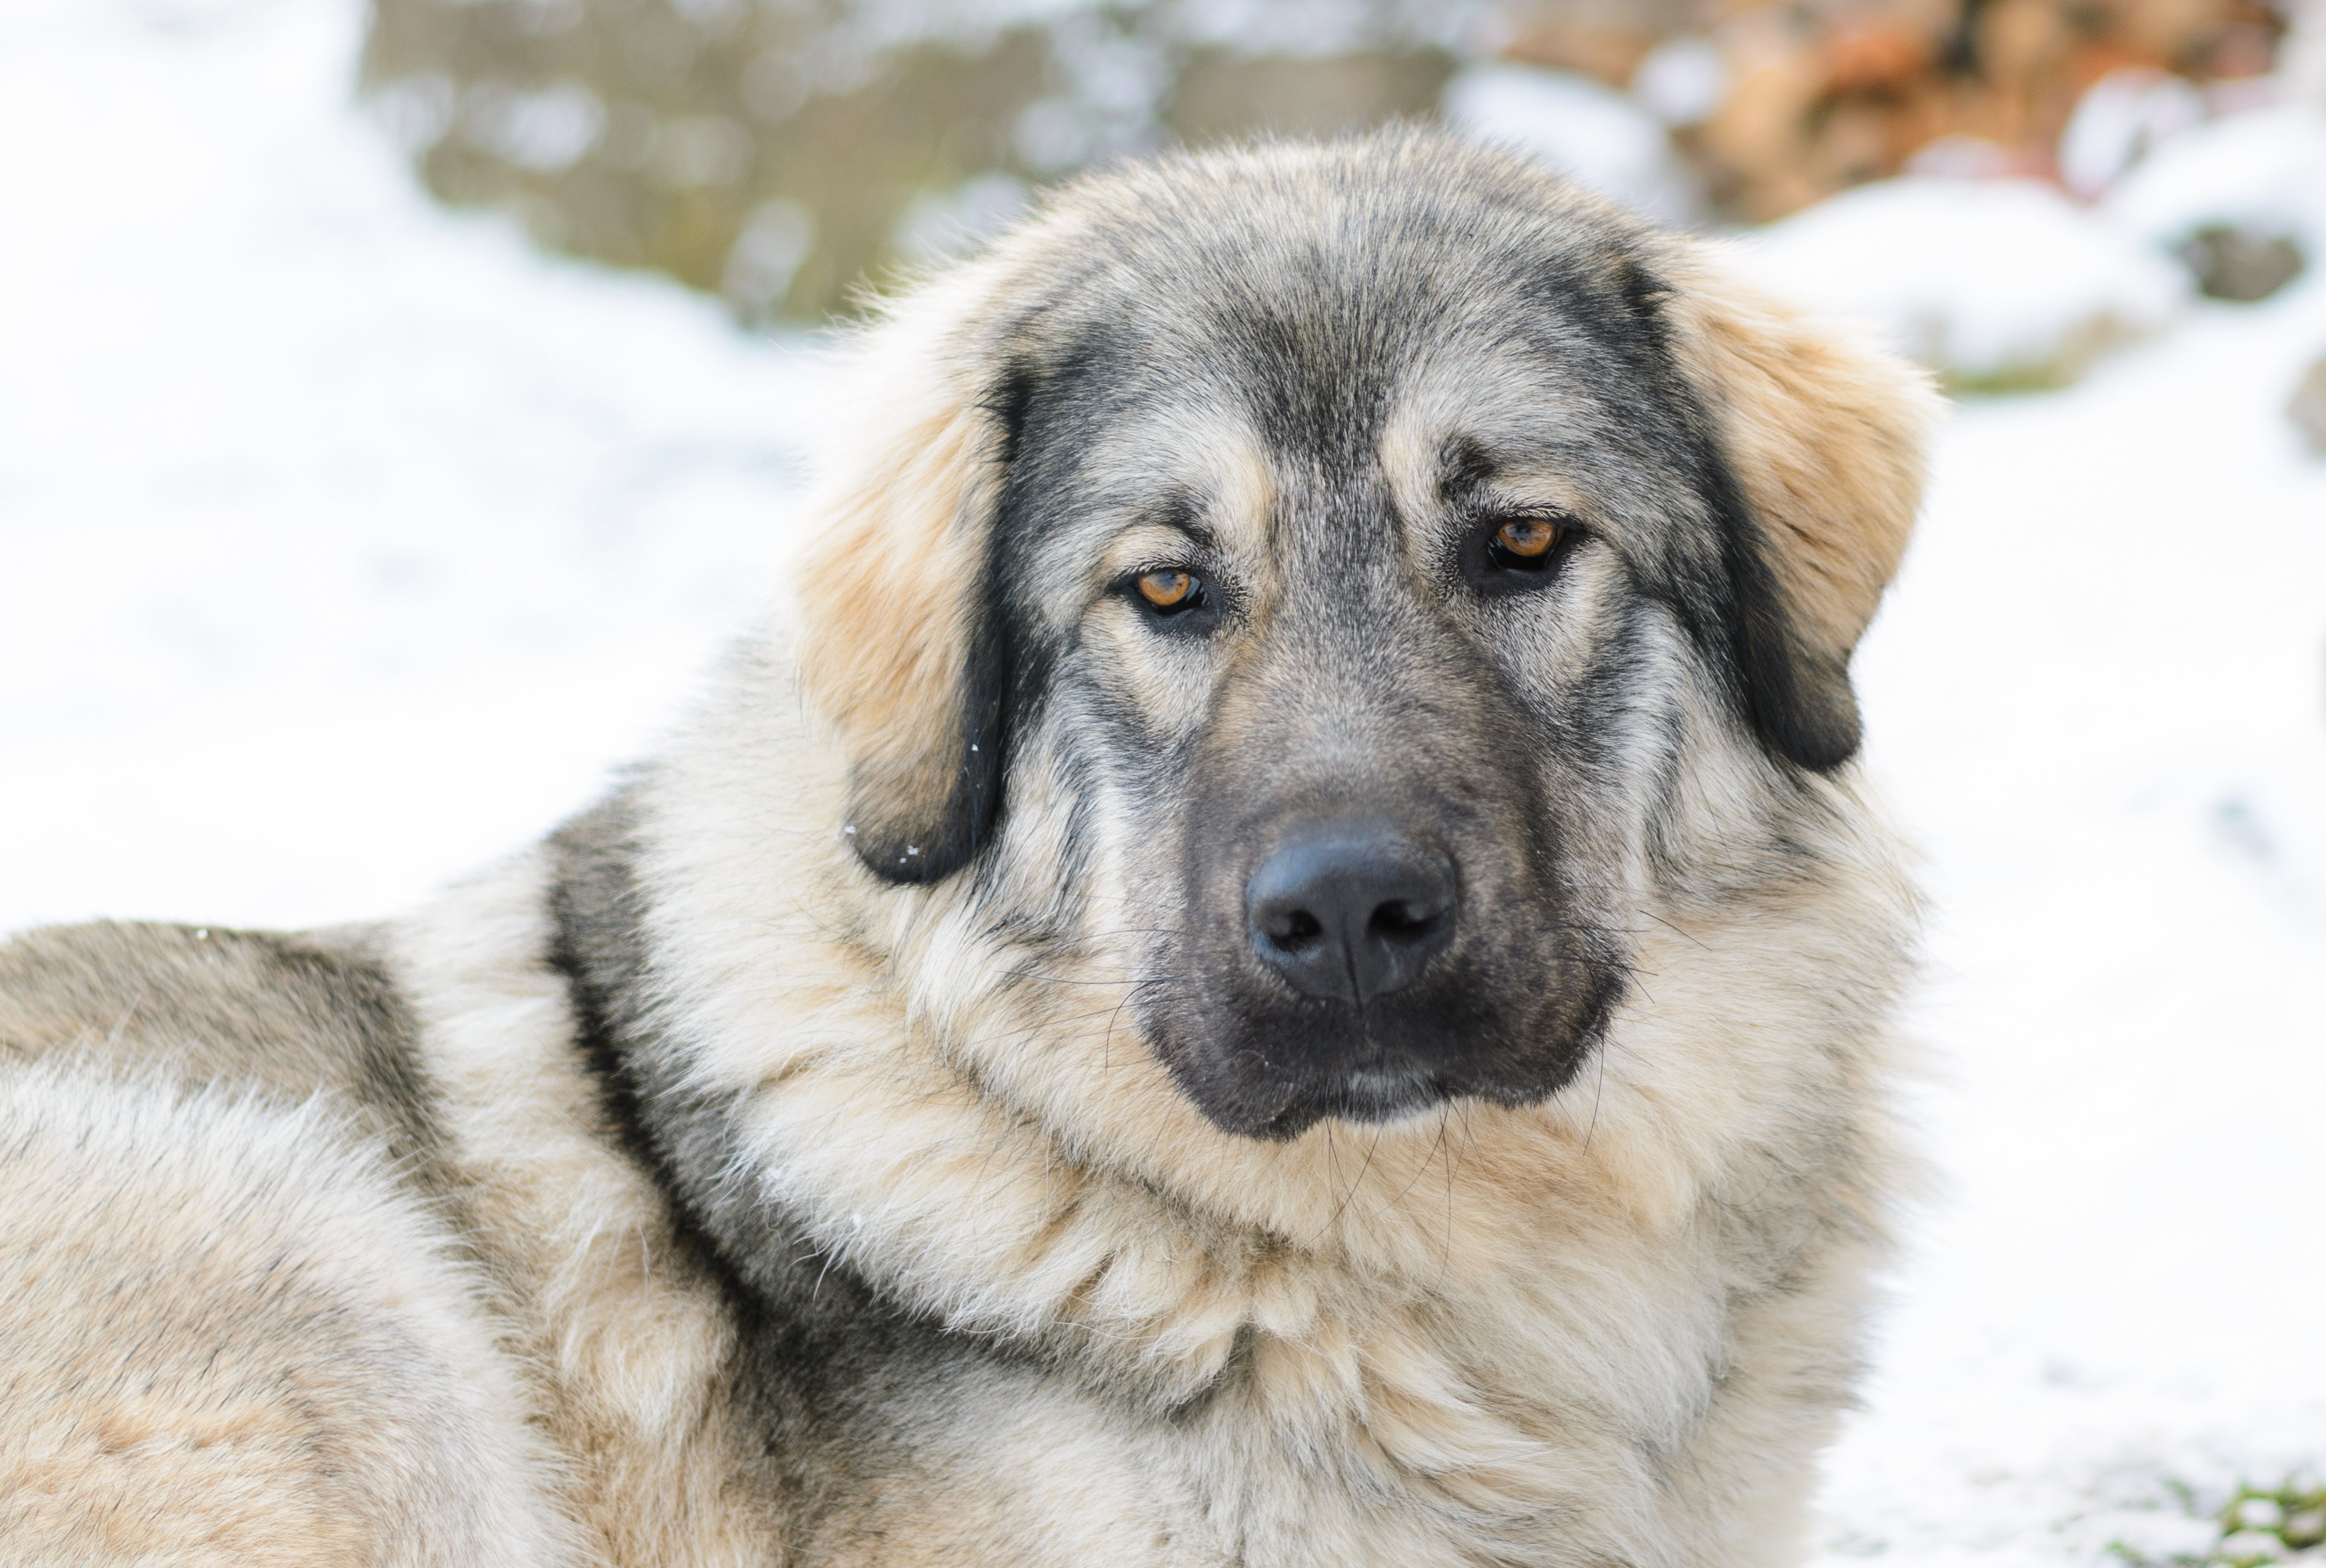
233,1331
296,1015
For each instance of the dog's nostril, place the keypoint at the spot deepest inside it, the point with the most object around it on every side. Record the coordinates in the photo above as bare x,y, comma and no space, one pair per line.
1402,920
1349,910
1294,928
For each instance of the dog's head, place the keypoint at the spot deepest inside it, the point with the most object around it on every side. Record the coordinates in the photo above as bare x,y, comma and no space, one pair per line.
1313,578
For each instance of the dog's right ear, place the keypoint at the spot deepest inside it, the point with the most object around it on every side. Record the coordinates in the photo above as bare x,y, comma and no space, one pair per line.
898,639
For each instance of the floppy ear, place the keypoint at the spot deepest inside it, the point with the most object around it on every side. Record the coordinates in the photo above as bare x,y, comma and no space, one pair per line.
1824,438
896,644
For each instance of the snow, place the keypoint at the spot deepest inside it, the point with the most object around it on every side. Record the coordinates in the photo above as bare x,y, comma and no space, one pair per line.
1603,139
2119,118
346,543
1991,281
2264,170
342,542
1683,80
2098,699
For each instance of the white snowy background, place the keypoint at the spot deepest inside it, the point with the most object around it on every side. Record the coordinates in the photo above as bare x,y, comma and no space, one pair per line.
346,543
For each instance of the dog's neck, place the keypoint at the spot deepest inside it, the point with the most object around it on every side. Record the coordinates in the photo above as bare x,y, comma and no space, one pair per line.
914,1126
918,1110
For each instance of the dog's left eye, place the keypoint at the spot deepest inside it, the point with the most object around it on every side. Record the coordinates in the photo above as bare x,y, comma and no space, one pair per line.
1505,554
1170,590
1171,593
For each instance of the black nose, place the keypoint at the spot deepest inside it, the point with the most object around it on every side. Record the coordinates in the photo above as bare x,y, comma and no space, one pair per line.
1349,910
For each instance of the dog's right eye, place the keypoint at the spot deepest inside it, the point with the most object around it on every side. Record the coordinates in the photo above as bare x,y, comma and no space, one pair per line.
1171,591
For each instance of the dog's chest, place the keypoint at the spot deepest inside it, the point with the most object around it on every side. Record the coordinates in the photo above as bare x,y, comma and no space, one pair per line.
1383,1446
1407,1458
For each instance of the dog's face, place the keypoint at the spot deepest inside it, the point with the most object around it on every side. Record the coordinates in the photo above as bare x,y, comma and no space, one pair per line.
1344,555
1328,615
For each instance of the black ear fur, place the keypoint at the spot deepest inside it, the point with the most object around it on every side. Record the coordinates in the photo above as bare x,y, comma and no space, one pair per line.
1798,700
1793,689
1798,697
894,830
914,848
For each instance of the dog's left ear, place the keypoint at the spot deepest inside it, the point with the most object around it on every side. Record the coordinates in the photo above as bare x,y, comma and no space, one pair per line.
1824,437
896,633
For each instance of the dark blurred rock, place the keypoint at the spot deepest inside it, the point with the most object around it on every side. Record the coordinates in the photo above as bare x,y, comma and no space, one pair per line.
2308,408
748,149
2241,263
782,151
1218,95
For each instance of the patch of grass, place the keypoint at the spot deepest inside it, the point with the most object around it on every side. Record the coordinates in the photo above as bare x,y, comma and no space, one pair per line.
2259,1526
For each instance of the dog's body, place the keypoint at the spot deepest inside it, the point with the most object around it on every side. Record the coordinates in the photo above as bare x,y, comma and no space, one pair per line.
939,1113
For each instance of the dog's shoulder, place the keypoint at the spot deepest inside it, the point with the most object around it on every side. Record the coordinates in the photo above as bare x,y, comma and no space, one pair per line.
292,1015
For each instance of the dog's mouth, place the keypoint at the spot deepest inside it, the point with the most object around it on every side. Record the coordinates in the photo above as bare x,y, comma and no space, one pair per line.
1375,1095
1269,1075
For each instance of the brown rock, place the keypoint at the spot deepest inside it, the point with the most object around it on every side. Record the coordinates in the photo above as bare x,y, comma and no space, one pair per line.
2241,263
2308,407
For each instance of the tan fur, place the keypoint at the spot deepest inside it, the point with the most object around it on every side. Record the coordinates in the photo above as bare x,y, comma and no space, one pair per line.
200,1004
902,527
622,1332
227,1338
892,632
1421,1295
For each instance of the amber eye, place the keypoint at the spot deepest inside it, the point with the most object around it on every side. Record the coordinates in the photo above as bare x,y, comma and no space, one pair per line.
1528,538
1506,554
1519,552
1170,590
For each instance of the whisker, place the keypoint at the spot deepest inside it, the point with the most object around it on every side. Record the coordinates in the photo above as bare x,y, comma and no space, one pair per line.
1342,1208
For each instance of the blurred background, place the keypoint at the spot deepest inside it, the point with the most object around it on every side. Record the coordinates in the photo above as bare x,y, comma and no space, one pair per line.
778,152
402,403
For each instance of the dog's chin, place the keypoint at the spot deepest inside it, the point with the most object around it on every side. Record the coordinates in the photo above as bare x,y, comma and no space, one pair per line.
1237,1092
1260,1061
1374,1096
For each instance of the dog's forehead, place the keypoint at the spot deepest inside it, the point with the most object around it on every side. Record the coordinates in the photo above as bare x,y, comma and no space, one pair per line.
1228,425
1372,321
1316,343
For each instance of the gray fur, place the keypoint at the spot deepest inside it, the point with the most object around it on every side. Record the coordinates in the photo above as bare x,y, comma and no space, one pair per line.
298,1015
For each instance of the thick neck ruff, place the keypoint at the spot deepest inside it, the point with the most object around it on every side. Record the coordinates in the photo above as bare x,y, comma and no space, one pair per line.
963,1123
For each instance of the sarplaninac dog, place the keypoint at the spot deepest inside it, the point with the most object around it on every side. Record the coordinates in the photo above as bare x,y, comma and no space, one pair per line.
1277,958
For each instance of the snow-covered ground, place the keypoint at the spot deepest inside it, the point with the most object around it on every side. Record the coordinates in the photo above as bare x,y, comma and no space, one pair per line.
345,543
2098,699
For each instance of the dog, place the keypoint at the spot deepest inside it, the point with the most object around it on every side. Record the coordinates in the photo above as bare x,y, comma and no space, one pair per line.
1279,957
